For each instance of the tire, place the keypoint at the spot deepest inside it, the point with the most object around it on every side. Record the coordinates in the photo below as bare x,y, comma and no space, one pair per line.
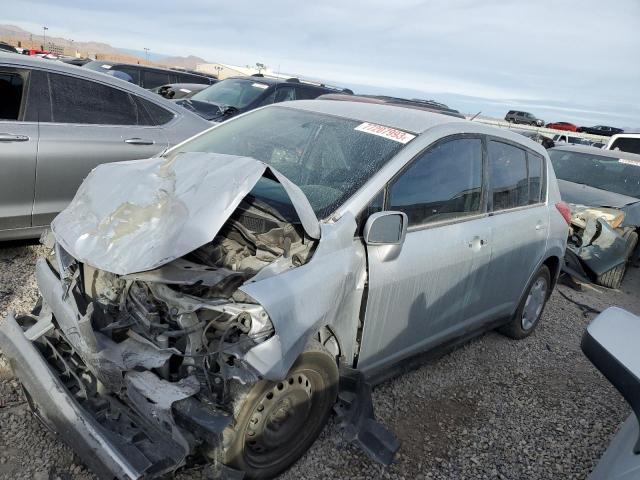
278,421
613,277
526,318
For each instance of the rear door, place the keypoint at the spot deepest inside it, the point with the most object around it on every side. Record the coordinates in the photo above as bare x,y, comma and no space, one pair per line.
519,223
18,147
89,123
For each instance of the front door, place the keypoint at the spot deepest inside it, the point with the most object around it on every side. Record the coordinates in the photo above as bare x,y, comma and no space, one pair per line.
419,292
90,123
18,148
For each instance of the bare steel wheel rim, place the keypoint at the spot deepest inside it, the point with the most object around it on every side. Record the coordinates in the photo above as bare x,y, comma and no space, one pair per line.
534,303
278,420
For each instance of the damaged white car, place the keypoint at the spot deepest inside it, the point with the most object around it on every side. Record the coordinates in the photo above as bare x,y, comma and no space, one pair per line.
215,304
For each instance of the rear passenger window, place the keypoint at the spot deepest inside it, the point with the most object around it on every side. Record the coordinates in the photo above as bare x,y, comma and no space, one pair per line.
535,177
153,79
508,183
133,72
307,93
156,115
443,183
75,100
284,94
11,91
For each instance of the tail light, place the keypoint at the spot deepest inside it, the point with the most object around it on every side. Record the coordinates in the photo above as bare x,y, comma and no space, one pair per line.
565,211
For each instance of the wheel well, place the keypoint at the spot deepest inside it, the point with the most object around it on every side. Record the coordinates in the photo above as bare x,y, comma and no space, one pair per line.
329,340
553,264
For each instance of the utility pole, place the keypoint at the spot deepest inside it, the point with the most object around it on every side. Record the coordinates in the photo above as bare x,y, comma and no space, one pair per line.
146,54
44,37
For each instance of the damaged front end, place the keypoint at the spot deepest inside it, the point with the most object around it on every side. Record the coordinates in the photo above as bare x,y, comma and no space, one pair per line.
151,357
600,245
160,312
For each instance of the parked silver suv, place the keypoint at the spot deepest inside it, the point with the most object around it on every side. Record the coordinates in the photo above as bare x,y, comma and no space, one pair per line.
58,121
526,118
217,301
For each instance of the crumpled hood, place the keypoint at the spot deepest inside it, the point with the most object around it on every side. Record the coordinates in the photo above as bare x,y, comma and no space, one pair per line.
133,216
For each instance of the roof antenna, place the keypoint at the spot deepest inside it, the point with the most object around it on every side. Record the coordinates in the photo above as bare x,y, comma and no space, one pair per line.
474,117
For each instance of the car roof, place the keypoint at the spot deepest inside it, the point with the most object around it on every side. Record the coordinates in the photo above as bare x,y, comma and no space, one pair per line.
410,120
151,67
290,81
598,151
75,71
427,105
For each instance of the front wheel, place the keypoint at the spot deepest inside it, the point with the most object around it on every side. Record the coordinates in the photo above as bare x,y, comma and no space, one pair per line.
278,421
529,311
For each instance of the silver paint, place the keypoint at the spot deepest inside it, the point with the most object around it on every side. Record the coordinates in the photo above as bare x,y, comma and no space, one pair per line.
133,216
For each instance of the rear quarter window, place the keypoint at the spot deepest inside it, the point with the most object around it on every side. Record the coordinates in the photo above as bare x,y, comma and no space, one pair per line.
155,114
536,178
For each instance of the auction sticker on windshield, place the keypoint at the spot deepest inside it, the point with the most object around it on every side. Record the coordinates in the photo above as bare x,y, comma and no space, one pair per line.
386,132
260,85
629,162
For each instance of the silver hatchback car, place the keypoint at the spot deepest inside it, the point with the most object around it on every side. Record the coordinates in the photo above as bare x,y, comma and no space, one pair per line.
58,121
220,300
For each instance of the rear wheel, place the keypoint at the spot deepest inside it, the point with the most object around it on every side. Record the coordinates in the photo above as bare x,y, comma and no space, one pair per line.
531,306
613,277
278,421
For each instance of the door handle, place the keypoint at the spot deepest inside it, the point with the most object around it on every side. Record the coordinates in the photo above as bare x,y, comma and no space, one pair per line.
477,242
9,137
540,226
139,141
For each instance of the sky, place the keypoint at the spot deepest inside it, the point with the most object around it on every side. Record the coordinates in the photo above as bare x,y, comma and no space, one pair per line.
572,60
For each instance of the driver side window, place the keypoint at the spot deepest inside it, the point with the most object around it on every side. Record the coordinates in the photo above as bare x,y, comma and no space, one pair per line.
443,183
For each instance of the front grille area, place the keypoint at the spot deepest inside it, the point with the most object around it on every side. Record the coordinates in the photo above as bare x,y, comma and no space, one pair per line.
146,447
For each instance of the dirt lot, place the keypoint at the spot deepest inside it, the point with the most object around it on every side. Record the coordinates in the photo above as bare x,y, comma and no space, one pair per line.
495,408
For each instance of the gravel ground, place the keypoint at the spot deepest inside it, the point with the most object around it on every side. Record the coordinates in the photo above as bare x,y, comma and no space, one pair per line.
496,408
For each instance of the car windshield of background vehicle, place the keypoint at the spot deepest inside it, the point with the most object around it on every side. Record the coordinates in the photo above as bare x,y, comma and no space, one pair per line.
328,157
606,173
236,93
626,144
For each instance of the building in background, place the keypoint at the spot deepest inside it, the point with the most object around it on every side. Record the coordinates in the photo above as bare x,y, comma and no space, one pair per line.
223,70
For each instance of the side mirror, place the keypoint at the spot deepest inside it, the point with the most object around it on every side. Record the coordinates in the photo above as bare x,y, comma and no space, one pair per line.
385,228
611,344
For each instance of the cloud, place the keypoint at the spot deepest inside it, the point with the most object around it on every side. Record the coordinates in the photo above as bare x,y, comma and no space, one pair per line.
573,54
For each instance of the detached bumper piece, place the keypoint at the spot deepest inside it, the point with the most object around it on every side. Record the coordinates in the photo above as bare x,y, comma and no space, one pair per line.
355,409
109,436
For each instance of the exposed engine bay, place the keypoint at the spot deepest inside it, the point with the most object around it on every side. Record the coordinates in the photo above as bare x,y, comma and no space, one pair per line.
192,306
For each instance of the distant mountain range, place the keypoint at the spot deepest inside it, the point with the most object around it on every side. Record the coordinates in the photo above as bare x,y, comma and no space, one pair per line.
14,35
